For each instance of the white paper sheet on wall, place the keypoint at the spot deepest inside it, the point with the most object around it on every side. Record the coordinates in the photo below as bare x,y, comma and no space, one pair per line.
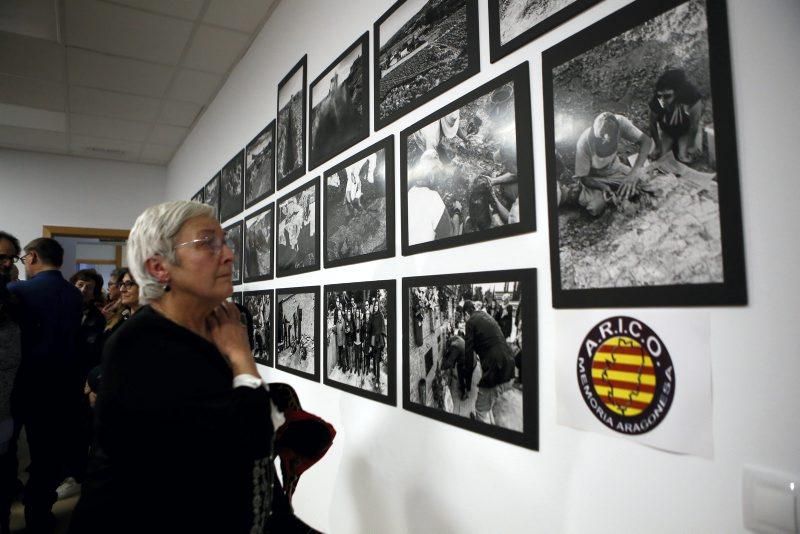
641,375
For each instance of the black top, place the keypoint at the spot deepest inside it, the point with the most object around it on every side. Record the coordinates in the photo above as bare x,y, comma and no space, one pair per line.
484,337
179,449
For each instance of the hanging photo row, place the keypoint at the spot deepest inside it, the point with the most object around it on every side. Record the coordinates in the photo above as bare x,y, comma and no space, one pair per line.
643,201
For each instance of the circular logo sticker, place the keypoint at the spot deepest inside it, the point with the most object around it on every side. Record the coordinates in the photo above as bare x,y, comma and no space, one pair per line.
625,375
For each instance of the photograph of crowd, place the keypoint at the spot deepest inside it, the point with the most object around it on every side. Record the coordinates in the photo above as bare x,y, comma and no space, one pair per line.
359,206
260,166
340,104
360,339
636,177
231,200
211,194
233,238
426,47
259,306
467,170
291,125
298,230
514,23
198,197
470,351
297,336
258,245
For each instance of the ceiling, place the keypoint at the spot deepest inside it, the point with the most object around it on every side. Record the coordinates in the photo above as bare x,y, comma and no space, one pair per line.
116,79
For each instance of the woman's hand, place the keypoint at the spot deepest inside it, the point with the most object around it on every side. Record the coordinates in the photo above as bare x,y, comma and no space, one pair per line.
230,337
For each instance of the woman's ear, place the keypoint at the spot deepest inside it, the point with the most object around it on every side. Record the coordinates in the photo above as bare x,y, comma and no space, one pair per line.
157,268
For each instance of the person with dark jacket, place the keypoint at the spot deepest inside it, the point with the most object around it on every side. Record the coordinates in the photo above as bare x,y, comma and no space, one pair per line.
455,357
183,431
484,337
49,373
377,339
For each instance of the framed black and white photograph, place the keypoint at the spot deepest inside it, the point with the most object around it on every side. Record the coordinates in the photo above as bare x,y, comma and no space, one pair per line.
259,244
297,335
466,171
290,155
233,238
470,354
422,49
515,23
360,339
259,306
339,116
211,194
298,230
259,172
198,197
231,198
358,204
643,179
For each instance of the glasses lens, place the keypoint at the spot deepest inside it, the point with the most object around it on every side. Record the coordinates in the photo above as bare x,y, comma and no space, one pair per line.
12,259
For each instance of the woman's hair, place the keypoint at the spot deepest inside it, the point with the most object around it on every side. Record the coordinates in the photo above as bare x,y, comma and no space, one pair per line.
152,235
90,275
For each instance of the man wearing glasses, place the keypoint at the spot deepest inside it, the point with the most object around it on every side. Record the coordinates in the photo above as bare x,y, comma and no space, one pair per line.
49,379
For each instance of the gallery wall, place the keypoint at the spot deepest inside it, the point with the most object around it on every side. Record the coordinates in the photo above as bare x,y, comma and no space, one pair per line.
44,189
390,470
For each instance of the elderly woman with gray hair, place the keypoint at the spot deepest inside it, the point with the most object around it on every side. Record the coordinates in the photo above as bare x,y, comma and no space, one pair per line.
183,432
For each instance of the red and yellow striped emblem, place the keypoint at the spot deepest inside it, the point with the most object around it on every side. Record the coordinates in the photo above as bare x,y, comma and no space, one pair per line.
623,376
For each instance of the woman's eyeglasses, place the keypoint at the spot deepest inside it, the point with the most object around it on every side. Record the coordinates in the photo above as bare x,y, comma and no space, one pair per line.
127,285
213,244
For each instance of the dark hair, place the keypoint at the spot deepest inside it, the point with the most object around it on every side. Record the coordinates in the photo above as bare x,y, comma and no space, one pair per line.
49,250
121,272
14,241
671,79
90,275
117,273
469,306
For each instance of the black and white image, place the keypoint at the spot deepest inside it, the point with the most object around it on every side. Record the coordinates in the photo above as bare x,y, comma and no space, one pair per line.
642,165
259,245
297,335
259,306
211,194
360,339
298,230
231,200
359,206
236,297
340,104
260,166
423,48
291,125
198,197
471,352
515,23
467,170
233,238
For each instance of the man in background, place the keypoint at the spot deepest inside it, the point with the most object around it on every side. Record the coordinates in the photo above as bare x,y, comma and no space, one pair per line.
49,374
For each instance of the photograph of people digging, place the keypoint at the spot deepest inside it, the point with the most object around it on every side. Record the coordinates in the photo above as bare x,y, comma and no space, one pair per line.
635,160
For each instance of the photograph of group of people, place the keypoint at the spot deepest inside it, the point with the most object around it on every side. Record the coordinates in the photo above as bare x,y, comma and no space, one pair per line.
296,336
470,355
298,230
359,339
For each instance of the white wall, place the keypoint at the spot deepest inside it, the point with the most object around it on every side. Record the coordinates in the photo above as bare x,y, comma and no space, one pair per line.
44,189
393,471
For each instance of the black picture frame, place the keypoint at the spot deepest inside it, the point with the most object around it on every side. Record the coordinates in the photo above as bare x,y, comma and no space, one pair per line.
279,300
231,187
234,232
284,173
211,194
329,203
529,436
472,50
498,49
262,334
198,197
643,16
282,252
253,246
259,159
329,136
523,139
390,397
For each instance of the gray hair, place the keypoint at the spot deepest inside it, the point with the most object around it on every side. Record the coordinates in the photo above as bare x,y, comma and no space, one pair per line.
152,235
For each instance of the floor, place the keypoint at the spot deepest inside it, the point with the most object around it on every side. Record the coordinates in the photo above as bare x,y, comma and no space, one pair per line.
62,509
